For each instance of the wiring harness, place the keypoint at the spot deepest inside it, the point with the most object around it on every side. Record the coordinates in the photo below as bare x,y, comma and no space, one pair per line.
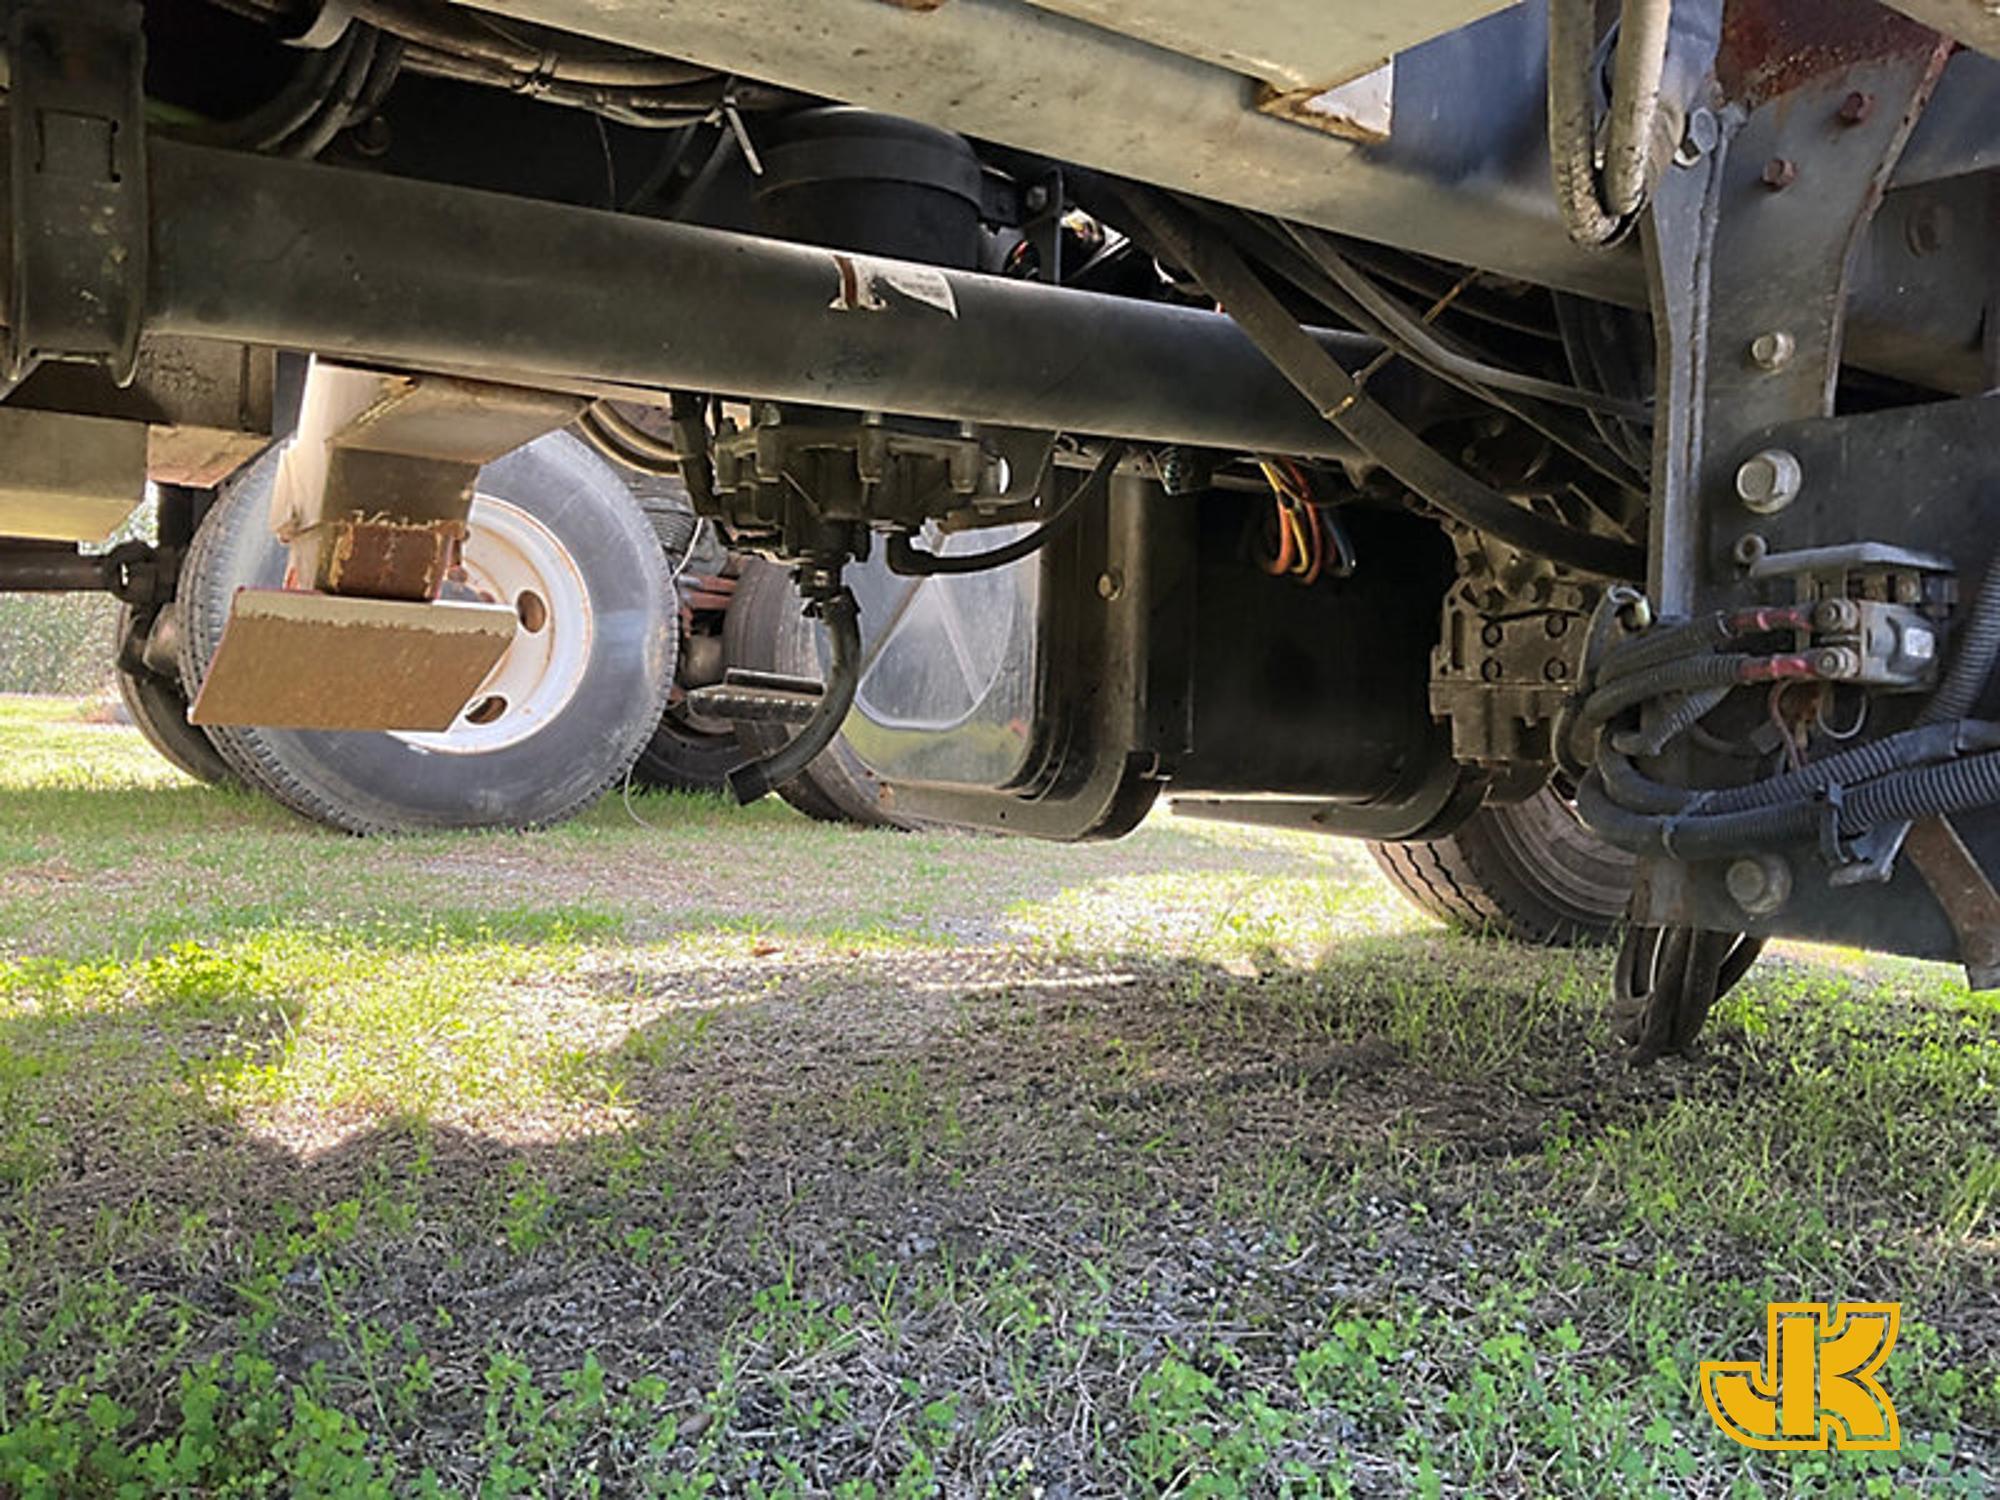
1856,803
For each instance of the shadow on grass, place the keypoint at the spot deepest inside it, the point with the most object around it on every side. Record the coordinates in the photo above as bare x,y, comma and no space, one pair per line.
814,1176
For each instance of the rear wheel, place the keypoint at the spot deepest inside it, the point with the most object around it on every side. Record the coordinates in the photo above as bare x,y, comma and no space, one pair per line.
766,632
556,534
1526,870
159,707
689,752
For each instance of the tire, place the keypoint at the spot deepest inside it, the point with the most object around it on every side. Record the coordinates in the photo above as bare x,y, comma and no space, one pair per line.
687,753
551,511
765,632
1528,871
159,708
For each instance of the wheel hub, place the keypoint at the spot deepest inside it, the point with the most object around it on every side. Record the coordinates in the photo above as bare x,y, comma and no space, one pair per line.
511,558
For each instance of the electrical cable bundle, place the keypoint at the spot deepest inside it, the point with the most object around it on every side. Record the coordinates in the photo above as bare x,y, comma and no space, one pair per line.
1341,398
1946,763
1305,531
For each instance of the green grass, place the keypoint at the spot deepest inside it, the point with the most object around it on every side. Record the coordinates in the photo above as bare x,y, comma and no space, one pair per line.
688,1150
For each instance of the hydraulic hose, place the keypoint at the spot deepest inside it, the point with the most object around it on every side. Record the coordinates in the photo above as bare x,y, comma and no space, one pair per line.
1676,721
1710,632
842,618
1338,397
624,441
1687,675
1644,29
1656,39
911,561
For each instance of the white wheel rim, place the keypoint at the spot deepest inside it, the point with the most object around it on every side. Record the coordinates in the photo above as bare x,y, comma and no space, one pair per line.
513,559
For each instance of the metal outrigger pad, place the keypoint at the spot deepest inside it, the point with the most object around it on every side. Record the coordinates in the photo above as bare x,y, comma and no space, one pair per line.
296,660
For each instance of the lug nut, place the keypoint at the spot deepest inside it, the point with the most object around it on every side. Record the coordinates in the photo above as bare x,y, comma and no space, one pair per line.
1769,481
1780,172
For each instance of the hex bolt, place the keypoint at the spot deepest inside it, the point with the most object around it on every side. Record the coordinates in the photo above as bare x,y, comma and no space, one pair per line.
1836,663
1703,134
1773,351
1555,669
1836,614
1491,670
1780,172
1761,884
1856,108
1769,481
1492,635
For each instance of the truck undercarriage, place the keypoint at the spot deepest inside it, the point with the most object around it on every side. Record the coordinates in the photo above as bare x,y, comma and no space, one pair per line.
1410,416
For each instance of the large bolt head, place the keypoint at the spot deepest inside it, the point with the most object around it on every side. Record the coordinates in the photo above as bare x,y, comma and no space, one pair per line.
1769,481
1760,884
1773,350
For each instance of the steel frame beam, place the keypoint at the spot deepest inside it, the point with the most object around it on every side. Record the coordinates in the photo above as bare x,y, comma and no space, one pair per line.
261,251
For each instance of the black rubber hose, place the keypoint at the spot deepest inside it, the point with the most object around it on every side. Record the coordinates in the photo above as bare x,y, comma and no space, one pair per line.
1691,836
1897,752
1339,398
1972,663
296,103
1423,345
842,618
1638,652
1672,724
1688,675
1710,632
1905,796
905,557
338,110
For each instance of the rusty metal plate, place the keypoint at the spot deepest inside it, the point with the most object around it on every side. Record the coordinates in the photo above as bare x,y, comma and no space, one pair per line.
1966,894
296,660
380,557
